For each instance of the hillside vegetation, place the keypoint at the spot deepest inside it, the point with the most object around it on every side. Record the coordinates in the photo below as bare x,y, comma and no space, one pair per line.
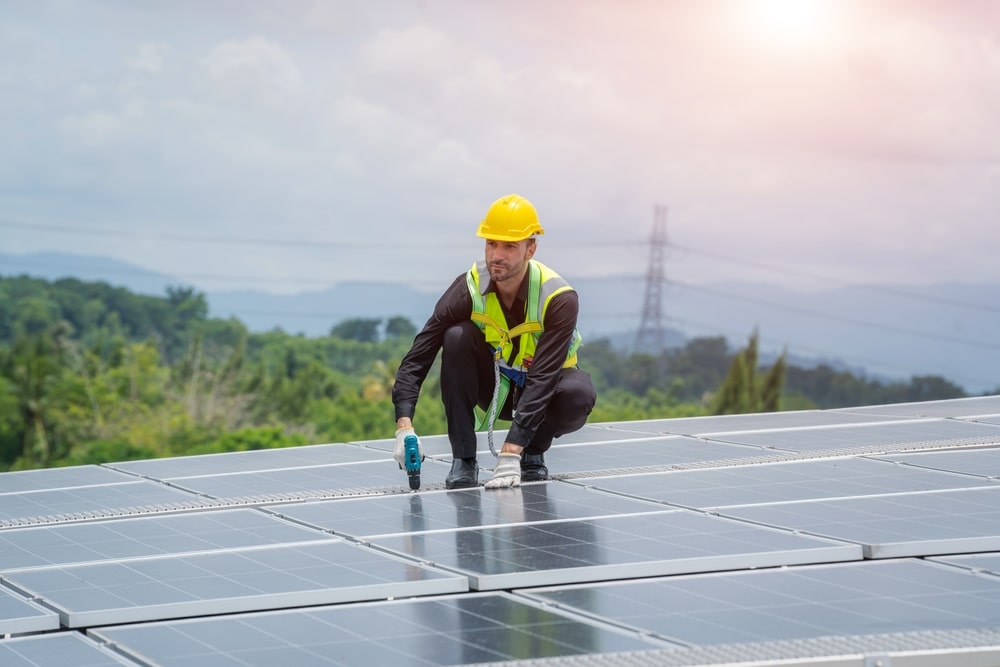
91,373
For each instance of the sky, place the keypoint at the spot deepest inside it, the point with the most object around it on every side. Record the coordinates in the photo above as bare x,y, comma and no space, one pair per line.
289,146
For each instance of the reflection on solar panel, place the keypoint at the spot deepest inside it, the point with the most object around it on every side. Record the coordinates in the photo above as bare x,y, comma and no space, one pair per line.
523,555
852,537
466,508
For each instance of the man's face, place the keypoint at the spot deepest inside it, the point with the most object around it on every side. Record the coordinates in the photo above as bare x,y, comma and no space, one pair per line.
508,260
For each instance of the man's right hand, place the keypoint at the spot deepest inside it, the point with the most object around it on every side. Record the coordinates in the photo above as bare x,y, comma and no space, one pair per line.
399,453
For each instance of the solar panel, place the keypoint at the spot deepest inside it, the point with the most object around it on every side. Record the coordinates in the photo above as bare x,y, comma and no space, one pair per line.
274,485
634,452
747,422
732,538
86,501
261,459
868,438
443,631
438,446
59,478
416,513
144,589
19,615
659,452
850,599
58,650
910,524
954,408
983,461
669,542
986,563
95,541
781,482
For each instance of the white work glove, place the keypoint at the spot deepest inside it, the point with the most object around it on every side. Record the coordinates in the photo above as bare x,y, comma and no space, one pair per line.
399,453
507,473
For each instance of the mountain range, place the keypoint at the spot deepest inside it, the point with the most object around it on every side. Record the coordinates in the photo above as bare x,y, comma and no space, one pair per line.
888,332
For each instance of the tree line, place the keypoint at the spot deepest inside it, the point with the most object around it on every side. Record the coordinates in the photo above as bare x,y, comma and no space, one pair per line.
91,373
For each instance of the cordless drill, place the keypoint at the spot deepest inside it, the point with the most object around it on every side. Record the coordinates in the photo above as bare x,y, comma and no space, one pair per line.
411,454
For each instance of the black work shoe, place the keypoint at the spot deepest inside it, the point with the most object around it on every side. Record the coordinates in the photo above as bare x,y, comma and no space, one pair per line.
533,468
464,474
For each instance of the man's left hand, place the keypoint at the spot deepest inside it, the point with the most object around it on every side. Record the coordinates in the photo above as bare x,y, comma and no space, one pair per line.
507,473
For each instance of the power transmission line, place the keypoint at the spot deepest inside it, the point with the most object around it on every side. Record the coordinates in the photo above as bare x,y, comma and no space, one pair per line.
836,318
815,276
384,244
379,243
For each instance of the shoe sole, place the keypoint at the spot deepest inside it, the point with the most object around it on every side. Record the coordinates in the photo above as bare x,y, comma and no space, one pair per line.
461,485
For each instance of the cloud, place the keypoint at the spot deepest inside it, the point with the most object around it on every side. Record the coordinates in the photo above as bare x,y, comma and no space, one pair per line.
150,57
412,117
255,69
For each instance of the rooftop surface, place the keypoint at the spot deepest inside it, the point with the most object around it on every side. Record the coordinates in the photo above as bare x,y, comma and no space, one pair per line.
853,537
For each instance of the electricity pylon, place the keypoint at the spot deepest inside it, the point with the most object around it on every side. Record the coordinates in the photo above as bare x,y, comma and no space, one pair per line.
651,336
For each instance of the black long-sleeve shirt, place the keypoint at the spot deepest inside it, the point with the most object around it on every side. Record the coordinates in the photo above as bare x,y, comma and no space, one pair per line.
455,306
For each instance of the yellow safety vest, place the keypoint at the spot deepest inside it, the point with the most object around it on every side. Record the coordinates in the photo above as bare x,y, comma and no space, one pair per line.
487,313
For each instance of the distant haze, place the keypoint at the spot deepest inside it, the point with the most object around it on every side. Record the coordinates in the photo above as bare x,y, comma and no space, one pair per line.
950,330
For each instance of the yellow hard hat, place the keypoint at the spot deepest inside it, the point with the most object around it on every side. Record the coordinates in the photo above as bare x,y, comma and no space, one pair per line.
510,218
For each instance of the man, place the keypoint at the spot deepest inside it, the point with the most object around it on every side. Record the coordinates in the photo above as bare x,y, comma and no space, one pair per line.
508,313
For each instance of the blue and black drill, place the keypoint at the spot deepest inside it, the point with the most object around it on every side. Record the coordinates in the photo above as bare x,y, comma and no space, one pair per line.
411,455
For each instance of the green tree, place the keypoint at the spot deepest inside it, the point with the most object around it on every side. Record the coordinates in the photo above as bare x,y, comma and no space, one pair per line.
32,368
400,327
360,329
742,391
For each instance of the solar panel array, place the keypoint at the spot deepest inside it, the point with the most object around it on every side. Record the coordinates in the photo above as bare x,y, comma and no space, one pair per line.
851,537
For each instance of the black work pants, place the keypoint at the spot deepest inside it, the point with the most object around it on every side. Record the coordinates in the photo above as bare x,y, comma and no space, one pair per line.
467,380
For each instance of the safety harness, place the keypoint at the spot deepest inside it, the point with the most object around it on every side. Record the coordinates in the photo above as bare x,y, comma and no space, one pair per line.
539,294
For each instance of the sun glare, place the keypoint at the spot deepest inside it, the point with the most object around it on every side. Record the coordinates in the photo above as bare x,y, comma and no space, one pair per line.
791,24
